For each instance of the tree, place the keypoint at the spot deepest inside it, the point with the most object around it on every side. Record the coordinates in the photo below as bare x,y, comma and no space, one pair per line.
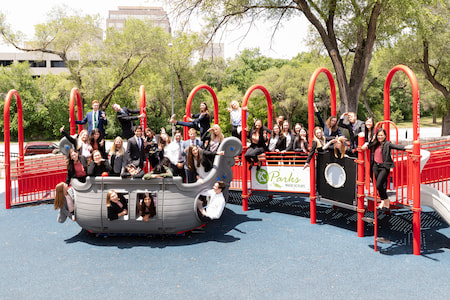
348,29
429,33
62,35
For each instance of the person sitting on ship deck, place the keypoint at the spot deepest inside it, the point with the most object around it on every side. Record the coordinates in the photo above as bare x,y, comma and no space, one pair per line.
117,206
213,209
98,165
160,171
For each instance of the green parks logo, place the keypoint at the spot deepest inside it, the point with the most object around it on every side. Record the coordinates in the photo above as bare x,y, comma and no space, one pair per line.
262,176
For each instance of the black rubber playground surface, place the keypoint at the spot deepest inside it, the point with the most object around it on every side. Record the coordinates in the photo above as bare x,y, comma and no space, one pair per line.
269,252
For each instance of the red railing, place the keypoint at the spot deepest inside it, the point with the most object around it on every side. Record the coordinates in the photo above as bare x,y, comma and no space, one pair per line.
35,179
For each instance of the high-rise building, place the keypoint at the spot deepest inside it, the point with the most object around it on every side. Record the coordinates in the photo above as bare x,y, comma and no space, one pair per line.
117,18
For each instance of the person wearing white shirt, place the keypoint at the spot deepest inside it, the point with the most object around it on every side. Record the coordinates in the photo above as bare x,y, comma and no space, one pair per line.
174,152
216,203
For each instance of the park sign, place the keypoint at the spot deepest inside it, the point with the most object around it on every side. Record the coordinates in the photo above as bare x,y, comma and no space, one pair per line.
281,179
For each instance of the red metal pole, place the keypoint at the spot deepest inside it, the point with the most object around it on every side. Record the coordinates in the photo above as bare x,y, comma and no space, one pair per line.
75,96
360,183
189,103
7,141
142,106
416,148
250,90
311,125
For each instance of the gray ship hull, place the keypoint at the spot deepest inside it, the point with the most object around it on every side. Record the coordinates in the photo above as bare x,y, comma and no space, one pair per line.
175,202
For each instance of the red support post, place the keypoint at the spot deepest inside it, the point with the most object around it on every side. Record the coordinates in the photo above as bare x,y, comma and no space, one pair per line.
142,107
75,96
6,131
415,173
360,183
251,89
312,164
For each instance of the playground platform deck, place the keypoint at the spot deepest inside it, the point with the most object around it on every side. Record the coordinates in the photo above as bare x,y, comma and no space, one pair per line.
269,252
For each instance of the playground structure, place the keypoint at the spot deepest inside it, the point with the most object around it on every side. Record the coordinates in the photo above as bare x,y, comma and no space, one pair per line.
406,177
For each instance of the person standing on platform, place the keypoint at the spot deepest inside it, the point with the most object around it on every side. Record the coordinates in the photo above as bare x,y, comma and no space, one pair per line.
95,119
354,127
126,119
174,152
136,149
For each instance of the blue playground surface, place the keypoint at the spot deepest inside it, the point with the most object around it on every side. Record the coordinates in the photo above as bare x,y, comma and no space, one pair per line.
269,252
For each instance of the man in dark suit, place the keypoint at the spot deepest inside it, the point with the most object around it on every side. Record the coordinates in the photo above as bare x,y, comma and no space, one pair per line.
135,149
354,127
192,141
126,119
95,119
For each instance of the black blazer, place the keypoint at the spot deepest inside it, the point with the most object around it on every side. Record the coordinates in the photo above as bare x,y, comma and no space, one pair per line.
97,170
135,155
114,210
126,121
386,152
281,143
313,150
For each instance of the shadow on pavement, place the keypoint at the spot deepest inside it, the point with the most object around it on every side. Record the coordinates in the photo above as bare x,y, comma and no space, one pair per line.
219,231
396,227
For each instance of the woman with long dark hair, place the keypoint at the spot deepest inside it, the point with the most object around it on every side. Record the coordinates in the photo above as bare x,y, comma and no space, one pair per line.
258,139
200,121
200,161
147,208
382,163
97,142
76,166
330,127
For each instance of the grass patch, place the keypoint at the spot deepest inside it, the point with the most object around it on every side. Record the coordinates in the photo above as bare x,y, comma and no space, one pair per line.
424,122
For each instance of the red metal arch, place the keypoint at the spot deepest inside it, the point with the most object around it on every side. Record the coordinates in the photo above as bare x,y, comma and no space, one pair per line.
6,120
245,194
416,145
142,106
75,96
189,103
311,125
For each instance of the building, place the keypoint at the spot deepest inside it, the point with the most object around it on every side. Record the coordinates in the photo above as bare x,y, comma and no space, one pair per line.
41,63
212,51
117,18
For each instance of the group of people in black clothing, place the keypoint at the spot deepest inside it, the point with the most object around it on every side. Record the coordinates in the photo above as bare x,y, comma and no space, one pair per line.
327,136
193,159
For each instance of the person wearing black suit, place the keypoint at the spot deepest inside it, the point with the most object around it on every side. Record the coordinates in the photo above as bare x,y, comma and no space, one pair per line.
136,149
126,119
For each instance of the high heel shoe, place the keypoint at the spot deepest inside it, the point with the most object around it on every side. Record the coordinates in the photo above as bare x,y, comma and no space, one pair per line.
258,166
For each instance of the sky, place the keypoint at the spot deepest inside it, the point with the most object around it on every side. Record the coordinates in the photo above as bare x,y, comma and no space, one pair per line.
288,41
